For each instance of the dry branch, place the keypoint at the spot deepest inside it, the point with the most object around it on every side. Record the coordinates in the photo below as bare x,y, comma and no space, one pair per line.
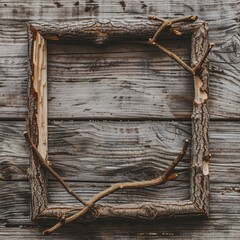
200,63
115,187
174,56
46,165
193,70
168,23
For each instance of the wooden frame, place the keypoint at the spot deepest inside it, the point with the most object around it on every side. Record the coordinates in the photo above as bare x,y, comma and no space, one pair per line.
102,32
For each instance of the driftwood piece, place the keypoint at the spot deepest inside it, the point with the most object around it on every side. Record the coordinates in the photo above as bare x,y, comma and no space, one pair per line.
100,33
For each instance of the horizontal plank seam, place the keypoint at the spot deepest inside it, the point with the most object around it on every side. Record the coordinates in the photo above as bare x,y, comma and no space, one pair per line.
232,119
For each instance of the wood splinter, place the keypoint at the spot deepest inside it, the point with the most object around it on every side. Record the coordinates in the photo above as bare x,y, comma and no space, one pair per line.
166,176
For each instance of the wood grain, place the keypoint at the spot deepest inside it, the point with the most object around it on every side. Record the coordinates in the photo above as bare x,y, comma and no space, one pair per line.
224,139
111,83
133,142
139,150
14,48
110,70
214,228
223,19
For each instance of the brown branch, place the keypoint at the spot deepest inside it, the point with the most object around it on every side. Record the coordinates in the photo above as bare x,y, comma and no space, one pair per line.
168,23
46,165
200,63
175,57
157,33
169,53
115,187
193,70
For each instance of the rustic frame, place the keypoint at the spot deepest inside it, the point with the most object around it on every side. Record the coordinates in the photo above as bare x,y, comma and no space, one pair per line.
99,33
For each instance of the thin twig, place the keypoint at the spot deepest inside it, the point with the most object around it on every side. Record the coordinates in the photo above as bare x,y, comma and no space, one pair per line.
157,33
168,23
174,56
200,63
115,187
193,70
46,165
169,53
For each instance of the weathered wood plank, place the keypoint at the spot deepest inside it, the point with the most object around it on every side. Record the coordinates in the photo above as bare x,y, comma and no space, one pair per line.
136,148
139,150
48,10
215,228
167,95
111,83
124,80
224,146
224,202
224,28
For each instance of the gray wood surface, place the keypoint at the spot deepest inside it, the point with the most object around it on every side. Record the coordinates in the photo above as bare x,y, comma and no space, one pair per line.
223,18
224,188
224,70
85,82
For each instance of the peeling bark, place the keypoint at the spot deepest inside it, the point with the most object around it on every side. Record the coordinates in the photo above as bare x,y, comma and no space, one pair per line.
37,119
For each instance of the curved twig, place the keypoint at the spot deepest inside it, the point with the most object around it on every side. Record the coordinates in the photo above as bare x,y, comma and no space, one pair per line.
115,187
174,56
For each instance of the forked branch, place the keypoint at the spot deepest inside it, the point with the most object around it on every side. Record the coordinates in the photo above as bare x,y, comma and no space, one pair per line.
166,176
168,23
193,70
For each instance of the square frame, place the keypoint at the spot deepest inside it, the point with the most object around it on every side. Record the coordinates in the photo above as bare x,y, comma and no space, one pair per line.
97,32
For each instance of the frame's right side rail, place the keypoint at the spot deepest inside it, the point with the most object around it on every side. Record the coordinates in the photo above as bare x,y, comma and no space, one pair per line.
200,121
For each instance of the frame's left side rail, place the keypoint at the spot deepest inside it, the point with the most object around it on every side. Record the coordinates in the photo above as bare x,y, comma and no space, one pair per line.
37,118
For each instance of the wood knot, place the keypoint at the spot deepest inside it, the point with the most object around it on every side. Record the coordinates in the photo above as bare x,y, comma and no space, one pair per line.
207,157
92,214
61,217
149,212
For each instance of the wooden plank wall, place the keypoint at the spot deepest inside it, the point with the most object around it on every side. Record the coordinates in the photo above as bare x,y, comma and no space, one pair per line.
119,78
